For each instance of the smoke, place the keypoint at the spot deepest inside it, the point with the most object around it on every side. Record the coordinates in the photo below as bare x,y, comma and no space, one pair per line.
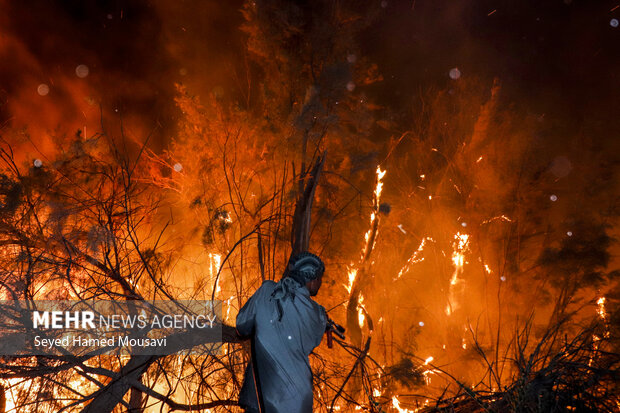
135,51
90,65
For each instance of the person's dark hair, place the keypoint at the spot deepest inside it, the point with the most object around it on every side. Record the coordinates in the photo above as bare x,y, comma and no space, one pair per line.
305,267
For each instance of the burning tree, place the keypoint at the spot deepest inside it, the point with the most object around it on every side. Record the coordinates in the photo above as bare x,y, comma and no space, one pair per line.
434,231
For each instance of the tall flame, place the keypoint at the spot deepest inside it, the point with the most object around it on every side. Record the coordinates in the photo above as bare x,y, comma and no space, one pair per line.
601,308
602,313
374,215
215,261
460,246
379,187
360,311
352,275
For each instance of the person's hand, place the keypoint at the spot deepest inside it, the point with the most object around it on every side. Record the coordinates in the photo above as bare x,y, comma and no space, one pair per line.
335,328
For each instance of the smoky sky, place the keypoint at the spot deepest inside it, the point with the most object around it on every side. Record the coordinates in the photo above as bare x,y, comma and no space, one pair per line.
135,52
554,56
559,57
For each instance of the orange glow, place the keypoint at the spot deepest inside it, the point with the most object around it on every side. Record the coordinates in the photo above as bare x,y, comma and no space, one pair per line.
374,214
396,405
217,167
360,311
601,308
414,259
379,187
460,246
352,274
214,266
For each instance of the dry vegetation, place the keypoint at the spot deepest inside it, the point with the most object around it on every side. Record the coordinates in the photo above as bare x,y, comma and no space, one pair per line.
450,266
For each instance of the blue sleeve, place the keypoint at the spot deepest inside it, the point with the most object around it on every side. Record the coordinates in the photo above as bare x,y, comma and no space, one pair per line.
247,315
321,325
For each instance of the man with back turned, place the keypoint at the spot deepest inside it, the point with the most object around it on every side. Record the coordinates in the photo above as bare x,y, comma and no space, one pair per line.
285,324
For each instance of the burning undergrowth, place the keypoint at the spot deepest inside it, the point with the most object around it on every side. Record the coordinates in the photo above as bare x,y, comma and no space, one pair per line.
469,254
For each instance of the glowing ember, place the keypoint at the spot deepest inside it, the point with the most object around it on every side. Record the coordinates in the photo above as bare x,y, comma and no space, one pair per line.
427,375
595,346
428,360
497,218
226,218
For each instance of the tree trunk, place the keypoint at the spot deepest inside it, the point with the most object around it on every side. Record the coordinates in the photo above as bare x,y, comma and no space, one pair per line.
300,235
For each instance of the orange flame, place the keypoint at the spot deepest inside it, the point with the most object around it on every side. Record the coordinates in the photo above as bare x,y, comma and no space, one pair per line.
215,261
352,275
396,405
414,259
374,214
360,312
601,308
460,245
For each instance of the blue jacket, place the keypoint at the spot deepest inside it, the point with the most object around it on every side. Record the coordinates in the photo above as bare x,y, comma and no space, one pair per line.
281,348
